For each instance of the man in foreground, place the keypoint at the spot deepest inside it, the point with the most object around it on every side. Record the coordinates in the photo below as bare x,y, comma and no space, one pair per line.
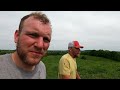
32,42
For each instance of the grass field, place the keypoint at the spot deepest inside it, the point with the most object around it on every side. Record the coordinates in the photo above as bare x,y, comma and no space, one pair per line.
91,68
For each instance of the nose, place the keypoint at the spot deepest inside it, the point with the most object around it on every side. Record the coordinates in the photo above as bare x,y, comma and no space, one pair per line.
39,43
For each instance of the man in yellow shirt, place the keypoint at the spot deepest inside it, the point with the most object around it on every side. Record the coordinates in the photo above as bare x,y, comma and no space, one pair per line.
67,64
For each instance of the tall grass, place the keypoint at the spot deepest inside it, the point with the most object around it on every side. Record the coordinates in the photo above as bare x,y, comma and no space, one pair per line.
89,68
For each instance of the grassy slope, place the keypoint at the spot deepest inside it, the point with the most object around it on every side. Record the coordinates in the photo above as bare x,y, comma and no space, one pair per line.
91,68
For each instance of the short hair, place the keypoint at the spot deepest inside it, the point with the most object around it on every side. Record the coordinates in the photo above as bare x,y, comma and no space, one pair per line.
37,15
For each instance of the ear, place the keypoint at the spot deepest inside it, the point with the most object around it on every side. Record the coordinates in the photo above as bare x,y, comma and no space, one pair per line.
16,36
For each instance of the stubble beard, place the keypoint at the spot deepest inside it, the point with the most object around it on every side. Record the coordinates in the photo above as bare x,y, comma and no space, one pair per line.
23,56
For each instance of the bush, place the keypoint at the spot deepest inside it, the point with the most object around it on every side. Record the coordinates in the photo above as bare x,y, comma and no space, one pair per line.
83,57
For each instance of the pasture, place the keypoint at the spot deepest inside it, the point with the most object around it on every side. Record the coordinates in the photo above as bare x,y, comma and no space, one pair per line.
90,68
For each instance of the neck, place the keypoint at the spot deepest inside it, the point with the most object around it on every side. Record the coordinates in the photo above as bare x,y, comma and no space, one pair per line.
71,54
16,59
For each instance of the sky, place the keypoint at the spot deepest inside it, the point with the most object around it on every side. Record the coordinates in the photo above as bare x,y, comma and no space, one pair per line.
94,30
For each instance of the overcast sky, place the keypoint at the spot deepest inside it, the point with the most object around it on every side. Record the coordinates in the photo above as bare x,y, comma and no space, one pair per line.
93,29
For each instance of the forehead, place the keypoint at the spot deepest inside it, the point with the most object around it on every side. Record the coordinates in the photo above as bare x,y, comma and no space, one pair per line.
32,22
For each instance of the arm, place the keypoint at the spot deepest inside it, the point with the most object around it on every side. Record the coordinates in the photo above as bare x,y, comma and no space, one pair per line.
64,70
77,75
65,76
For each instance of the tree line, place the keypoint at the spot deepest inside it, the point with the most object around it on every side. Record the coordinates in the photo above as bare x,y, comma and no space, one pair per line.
113,55
6,51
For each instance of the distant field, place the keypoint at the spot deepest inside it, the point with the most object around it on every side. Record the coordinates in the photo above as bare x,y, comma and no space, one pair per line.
91,68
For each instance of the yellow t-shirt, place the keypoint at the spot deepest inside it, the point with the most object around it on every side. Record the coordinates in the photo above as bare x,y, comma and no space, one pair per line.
67,66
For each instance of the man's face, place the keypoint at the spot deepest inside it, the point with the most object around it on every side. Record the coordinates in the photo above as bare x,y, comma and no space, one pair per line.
33,41
76,52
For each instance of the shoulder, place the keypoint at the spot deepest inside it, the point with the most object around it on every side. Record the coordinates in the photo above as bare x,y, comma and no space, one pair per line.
41,64
65,56
5,61
4,57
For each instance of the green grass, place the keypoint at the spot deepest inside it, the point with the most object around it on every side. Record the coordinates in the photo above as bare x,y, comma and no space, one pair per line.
91,68
51,63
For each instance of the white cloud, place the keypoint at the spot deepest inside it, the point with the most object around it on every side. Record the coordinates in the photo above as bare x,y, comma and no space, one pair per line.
93,29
